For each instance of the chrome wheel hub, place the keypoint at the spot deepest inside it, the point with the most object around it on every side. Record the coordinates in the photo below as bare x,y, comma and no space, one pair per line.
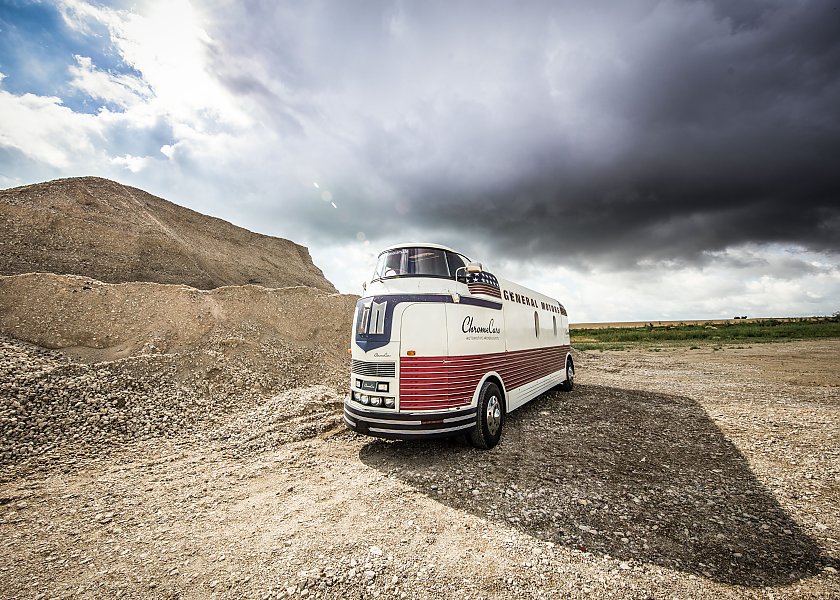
494,415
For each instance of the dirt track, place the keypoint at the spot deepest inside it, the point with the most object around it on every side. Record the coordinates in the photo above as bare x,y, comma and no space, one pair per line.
676,473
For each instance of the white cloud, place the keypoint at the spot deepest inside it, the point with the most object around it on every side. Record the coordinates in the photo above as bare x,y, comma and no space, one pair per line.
165,43
41,128
766,287
135,164
124,91
173,90
346,266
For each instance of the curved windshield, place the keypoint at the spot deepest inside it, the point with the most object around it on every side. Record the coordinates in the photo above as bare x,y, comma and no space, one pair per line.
402,262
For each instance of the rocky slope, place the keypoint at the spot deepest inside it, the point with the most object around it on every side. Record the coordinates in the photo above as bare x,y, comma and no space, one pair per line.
116,233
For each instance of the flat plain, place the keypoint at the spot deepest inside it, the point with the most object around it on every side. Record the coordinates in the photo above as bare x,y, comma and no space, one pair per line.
711,472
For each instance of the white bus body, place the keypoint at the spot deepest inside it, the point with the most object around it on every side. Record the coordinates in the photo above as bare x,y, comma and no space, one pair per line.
441,347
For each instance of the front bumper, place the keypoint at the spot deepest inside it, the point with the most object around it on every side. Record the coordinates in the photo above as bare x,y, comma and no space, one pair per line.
408,425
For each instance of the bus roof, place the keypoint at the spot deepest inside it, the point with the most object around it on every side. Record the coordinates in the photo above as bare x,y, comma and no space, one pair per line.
418,245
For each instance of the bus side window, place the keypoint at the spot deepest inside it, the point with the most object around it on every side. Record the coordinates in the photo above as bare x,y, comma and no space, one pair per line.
455,263
537,324
554,319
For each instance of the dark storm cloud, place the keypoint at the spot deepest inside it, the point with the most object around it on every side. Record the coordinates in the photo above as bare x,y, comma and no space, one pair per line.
652,131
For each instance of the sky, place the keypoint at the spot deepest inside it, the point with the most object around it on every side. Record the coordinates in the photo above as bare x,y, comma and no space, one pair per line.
637,160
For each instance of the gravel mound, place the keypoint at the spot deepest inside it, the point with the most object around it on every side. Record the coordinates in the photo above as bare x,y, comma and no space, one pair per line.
112,232
97,321
86,366
49,404
55,410
292,416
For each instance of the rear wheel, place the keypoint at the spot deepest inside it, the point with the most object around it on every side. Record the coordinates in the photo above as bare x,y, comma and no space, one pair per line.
569,384
490,417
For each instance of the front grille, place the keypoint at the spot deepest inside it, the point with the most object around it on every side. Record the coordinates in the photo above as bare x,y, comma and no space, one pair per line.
373,369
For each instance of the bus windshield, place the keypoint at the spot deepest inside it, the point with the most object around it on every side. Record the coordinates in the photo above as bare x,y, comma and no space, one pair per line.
412,262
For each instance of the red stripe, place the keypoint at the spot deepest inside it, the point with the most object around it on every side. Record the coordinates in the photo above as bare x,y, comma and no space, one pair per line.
435,382
481,288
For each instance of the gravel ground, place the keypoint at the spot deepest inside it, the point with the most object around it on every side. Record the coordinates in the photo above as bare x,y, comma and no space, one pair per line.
679,473
53,408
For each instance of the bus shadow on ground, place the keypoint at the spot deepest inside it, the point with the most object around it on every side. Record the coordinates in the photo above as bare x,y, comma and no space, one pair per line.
634,475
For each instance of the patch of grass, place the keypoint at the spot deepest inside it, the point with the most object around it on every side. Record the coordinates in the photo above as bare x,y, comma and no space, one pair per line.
759,331
599,346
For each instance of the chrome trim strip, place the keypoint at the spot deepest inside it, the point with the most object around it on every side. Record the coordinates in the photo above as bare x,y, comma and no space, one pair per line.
363,411
421,432
367,419
456,419
386,421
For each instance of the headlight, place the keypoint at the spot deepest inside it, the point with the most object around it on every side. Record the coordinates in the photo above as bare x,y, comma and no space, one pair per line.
382,386
355,395
375,401
365,399
389,403
358,383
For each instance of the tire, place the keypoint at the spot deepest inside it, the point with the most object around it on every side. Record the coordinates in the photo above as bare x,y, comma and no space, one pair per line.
569,384
490,418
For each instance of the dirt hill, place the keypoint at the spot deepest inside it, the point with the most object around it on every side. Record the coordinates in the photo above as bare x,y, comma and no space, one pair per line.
115,233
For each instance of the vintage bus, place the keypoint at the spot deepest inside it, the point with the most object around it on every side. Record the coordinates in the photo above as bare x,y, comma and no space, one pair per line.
442,347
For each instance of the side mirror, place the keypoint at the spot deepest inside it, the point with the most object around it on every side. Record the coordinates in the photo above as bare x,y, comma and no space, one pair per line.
364,286
461,272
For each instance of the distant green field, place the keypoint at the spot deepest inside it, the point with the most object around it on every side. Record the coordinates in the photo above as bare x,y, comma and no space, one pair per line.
753,331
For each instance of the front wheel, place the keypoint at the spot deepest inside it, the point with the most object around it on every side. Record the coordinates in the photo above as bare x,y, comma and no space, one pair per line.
569,384
490,417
